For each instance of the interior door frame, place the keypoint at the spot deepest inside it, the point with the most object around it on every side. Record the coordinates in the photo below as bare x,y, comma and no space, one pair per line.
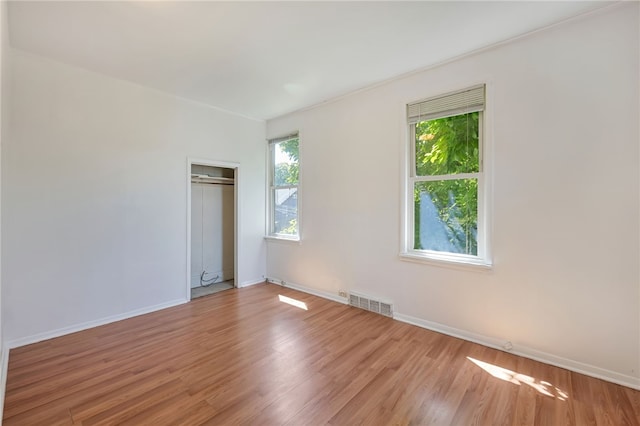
236,209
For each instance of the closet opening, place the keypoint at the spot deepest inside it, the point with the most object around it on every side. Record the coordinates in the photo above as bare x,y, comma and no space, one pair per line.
212,247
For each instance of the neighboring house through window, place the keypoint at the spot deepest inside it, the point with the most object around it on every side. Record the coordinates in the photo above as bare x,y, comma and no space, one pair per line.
283,187
446,218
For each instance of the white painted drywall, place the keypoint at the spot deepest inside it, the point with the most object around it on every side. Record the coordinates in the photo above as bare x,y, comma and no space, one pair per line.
211,232
563,112
94,193
4,98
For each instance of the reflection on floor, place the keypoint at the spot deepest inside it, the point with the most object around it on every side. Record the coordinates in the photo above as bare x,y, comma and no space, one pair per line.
213,288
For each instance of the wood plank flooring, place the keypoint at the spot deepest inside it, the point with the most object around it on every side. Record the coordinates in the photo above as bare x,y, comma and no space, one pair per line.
245,357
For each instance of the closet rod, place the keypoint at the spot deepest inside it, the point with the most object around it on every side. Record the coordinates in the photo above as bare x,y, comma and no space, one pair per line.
212,183
212,179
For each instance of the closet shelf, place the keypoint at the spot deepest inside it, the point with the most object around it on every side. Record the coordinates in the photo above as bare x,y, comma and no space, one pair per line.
211,179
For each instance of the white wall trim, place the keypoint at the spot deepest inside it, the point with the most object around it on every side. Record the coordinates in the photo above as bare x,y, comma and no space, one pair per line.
576,18
269,177
309,290
4,365
523,351
236,214
483,262
251,282
90,324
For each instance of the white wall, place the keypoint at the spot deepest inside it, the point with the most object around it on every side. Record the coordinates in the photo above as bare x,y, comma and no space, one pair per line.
94,181
563,112
4,97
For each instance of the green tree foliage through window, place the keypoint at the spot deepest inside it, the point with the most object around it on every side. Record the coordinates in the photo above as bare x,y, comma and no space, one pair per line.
447,206
286,171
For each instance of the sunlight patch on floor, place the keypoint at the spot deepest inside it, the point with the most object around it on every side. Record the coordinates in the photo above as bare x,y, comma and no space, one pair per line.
292,302
501,373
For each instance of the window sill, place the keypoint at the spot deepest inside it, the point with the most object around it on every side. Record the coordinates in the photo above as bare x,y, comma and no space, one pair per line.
283,239
444,260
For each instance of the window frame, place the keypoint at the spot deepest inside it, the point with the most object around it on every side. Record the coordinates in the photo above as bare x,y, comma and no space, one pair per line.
271,190
482,260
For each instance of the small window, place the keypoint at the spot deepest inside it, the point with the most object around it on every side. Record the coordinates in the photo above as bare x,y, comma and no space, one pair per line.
283,187
445,215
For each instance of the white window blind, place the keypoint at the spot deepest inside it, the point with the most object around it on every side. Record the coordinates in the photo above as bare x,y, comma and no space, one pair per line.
283,138
462,102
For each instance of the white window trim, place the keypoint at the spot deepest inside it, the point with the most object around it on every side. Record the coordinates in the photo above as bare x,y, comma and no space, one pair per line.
484,260
269,235
282,238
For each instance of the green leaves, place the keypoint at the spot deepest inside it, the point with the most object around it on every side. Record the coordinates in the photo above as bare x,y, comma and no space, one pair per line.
285,186
446,210
449,145
286,174
286,162
291,147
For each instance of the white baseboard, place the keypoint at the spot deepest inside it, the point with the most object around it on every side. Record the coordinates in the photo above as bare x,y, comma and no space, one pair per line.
547,358
90,324
251,282
523,351
315,292
4,365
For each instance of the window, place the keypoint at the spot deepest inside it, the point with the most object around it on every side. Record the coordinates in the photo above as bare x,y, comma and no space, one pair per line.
283,187
445,215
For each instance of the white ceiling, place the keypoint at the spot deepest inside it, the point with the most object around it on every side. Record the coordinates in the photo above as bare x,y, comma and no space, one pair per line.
265,59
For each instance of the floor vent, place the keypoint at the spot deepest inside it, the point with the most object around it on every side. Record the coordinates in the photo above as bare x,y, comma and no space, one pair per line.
377,306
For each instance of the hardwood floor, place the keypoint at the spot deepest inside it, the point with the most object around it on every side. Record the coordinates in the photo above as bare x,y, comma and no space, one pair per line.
244,357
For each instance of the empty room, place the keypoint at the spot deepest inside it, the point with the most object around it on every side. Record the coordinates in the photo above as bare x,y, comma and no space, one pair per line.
309,213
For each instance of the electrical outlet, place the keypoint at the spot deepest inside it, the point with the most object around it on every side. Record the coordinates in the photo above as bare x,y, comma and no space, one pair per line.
342,293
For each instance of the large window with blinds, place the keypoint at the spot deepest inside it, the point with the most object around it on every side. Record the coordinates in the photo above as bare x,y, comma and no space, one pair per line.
284,172
445,183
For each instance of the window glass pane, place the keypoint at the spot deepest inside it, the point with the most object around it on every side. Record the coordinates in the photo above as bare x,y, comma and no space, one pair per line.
449,145
286,163
285,202
446,216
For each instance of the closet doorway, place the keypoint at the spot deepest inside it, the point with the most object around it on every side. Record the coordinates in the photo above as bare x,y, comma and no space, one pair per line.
212,227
